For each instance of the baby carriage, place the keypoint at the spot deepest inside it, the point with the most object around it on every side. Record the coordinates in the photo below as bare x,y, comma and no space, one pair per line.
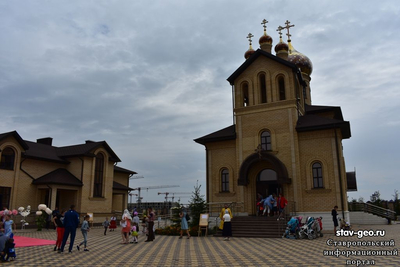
292,229
309,229
344,225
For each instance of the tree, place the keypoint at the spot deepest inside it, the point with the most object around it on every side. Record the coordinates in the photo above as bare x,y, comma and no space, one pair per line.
197,205
376,197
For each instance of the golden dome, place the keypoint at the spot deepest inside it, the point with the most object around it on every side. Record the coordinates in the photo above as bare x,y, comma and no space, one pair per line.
300,60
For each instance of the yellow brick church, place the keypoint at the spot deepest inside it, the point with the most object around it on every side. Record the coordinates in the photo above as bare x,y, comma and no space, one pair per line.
279,142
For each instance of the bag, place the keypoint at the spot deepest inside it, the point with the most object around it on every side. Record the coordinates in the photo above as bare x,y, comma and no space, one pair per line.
187,217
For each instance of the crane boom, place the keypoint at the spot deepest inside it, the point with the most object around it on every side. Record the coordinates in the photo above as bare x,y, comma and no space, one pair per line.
150,187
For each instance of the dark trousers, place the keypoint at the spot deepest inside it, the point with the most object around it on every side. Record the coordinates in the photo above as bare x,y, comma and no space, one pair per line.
69,230
150,236
105,230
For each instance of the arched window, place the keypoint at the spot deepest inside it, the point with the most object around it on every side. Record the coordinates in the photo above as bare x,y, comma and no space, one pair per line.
263,88
225,180
245,94
98,176
267,175
281,85
266,141
7,159
317,175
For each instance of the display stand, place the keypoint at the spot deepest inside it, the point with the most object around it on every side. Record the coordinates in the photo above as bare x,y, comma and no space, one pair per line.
203,224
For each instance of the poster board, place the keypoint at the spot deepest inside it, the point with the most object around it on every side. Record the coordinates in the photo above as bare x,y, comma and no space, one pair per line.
203,223
203,220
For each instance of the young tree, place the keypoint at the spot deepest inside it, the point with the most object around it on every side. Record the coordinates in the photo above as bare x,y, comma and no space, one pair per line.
197,206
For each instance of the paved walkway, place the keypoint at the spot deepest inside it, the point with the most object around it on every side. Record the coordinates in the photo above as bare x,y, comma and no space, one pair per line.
207,251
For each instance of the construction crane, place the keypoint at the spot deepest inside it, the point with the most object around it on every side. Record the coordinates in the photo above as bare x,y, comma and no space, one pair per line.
139,189
166,195
179,193
136,177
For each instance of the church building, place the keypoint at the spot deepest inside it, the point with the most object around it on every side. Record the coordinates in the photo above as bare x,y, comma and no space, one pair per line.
279,142
86,175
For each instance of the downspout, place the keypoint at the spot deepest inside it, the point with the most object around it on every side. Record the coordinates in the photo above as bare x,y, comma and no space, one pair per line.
81,169
340,172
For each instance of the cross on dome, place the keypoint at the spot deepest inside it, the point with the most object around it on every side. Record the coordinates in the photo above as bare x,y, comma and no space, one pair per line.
287,27
249,36
264,22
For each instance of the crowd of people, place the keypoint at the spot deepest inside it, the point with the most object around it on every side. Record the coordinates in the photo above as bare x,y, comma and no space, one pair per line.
272,205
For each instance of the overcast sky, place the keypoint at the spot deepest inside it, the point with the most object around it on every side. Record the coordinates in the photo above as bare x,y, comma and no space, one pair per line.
148,77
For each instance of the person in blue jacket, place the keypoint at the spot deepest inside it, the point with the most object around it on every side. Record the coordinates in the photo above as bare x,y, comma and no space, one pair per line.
268,203
71,222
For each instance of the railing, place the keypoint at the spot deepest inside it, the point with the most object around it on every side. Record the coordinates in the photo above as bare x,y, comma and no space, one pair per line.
373,209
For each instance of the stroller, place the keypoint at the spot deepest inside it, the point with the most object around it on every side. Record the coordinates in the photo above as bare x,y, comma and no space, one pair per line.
344,225
292,229
309,229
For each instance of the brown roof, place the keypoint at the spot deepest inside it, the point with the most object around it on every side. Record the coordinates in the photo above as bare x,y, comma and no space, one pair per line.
228,133
259,53
59,176
60,154
119,169
119,186
16,136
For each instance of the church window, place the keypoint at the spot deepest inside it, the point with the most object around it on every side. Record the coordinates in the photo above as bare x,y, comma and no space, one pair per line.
7,159
281,85
266,141
317,175
245,94
98,176
267,175
225,180
263,88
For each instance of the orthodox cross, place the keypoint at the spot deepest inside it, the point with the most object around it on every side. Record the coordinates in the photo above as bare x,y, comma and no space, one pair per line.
249,36
287,27
264,22
280,28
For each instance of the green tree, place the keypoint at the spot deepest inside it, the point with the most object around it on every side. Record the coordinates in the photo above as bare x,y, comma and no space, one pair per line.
197,206
376,198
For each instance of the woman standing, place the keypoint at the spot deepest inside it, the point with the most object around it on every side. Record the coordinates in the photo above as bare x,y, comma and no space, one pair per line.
113,223
184,223
227,230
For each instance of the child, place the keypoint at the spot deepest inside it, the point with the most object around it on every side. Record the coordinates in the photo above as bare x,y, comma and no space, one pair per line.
85,229
9,250
106,223
134,233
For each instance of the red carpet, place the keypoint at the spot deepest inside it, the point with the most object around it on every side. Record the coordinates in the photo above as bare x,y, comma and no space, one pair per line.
22,241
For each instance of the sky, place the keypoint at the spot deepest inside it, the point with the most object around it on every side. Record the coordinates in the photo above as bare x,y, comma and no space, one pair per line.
148,77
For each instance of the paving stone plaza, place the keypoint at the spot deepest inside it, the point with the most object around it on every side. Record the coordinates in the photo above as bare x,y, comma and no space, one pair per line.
214,251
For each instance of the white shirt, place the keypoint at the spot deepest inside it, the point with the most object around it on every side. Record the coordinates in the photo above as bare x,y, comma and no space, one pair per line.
227,217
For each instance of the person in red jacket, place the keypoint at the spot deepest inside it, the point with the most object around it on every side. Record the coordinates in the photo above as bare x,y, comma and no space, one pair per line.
282,203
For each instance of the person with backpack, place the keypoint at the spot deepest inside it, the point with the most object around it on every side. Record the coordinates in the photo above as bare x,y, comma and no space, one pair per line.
184,223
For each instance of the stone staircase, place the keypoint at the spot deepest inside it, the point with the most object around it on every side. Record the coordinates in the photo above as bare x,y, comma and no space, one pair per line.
257,226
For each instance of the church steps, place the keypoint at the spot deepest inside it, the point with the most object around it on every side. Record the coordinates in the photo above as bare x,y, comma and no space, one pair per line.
257,226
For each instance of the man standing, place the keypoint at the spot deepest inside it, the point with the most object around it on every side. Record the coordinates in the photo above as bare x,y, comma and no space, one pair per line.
71,222
150,219
334,218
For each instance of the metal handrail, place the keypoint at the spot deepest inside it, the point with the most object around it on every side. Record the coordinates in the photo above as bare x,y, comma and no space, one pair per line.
373,209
